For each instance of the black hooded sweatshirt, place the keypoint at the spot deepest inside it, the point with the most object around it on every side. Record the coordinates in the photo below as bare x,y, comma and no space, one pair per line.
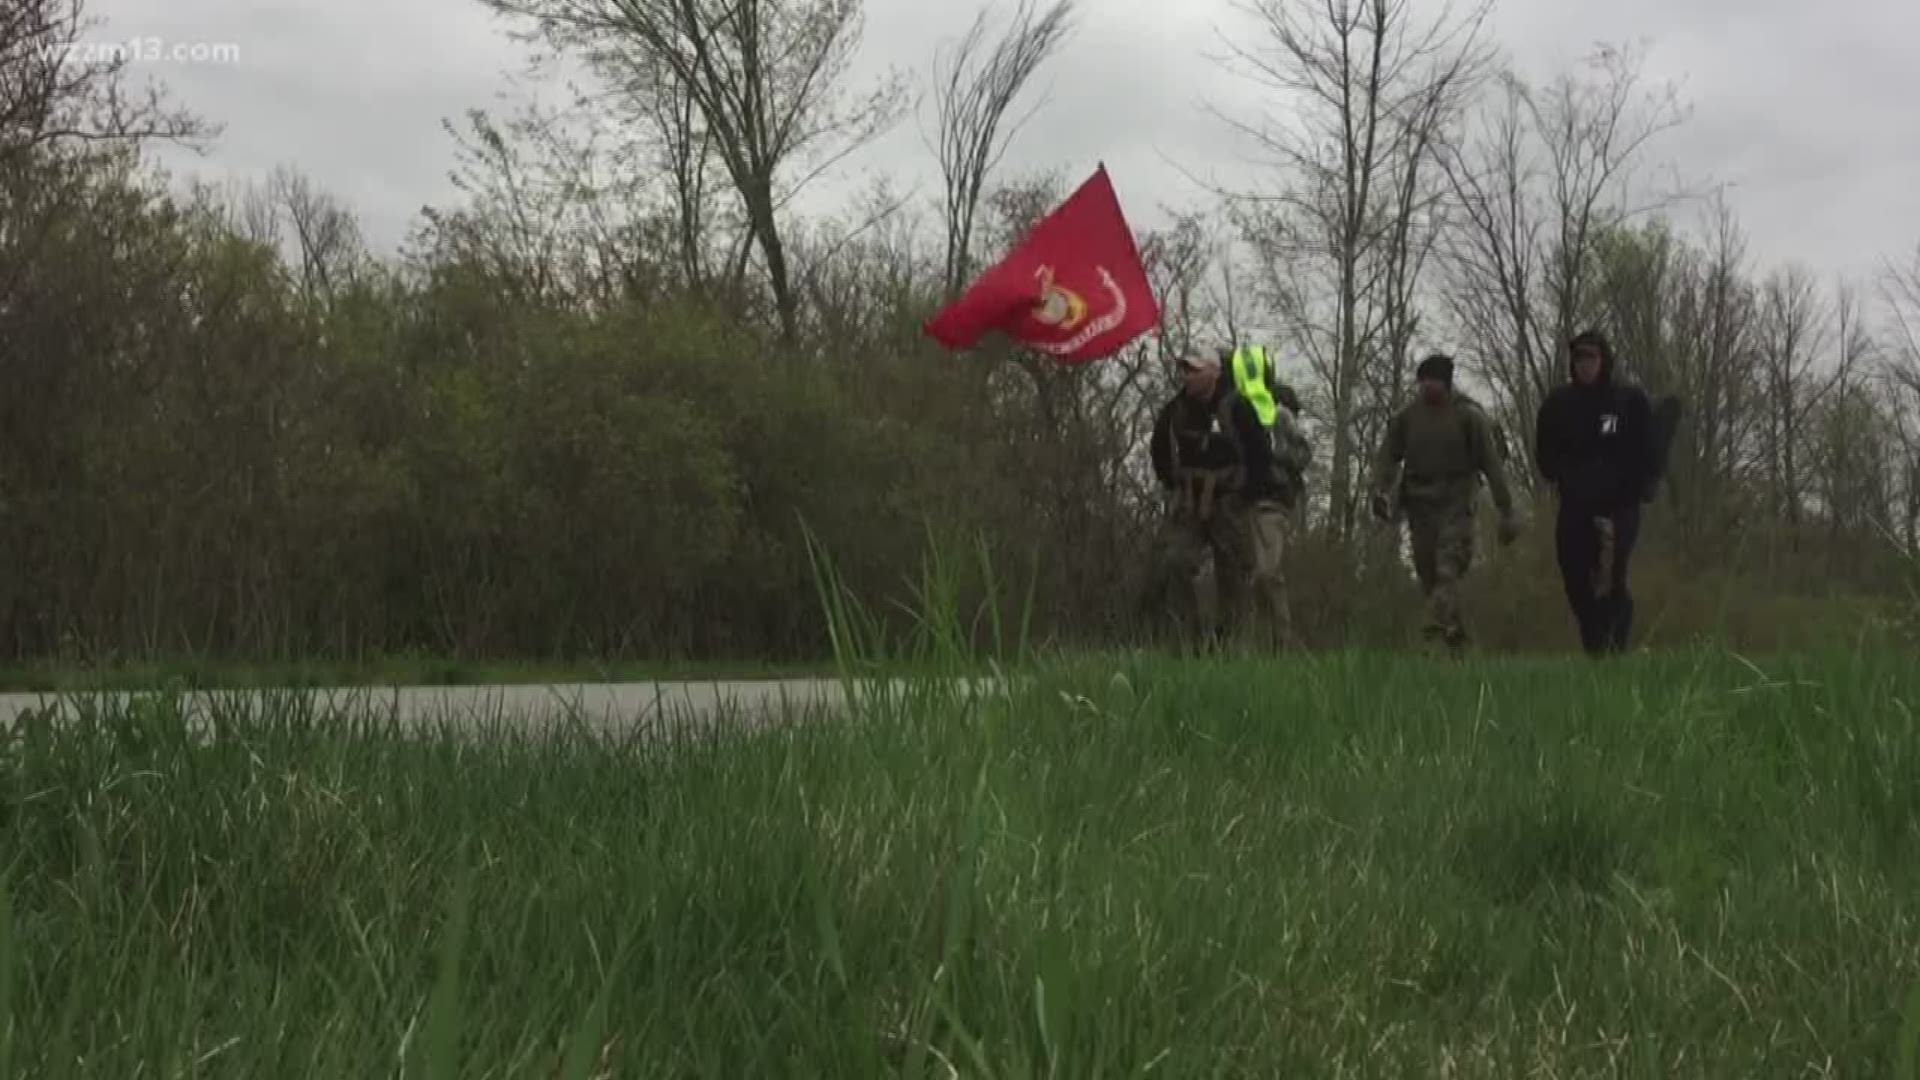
1595,443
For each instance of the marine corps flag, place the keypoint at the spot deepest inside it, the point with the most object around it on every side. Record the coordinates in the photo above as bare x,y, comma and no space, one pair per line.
1073,288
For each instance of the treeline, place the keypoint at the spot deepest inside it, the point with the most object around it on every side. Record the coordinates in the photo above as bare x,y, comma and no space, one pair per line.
210,451
617,398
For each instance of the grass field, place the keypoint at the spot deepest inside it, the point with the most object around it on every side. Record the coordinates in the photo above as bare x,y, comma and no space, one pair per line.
1353,866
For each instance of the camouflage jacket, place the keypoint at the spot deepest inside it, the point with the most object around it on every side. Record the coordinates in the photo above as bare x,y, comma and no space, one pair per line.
1439,455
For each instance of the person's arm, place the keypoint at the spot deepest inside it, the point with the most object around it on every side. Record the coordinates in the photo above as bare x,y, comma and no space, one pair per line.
1644,463
1491,466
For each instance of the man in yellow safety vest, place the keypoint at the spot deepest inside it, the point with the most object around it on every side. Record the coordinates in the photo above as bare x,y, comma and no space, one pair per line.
1254,379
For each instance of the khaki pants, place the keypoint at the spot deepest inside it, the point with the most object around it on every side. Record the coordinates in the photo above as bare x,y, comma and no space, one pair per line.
1271,526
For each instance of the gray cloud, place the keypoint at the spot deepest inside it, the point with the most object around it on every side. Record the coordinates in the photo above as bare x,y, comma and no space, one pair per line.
351,92
1804,112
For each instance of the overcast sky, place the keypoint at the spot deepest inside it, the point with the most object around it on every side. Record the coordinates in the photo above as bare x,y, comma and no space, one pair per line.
1808,115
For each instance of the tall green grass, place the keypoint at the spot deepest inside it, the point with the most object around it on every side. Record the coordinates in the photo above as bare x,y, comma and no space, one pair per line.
1684,866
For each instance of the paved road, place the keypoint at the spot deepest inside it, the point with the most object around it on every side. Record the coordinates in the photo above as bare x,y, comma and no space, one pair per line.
605,706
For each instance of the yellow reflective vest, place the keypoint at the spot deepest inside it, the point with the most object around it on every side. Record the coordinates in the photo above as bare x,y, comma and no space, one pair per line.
1251,368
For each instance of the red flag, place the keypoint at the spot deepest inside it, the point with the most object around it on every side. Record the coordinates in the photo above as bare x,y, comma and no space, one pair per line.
1073,287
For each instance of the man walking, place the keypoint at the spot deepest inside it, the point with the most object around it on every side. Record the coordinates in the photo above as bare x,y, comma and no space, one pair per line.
1597,443
1439,447
1278,407
1214,463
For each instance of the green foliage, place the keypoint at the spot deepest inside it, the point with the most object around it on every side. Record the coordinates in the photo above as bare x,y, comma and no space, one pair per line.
443,461
1685,867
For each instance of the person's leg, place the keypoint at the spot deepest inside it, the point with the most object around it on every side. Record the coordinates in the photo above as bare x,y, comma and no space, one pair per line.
1453,559
1230,533
1269,583
1178,549
1577,548
1423,533
1626,531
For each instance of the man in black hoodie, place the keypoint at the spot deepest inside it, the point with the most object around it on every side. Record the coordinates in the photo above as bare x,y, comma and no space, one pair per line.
1595,442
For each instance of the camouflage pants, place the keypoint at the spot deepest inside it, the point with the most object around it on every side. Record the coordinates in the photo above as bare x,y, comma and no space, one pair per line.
1270,525
1179,550
1442,538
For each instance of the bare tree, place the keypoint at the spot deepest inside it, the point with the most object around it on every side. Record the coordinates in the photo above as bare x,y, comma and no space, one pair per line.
1543,176
1794,324
55,98
666,134
1901,290
253,216
765,77
974,87
1811,349
328,242
846,267
1225,296
687,148
1900,373
512,226
1179,272
51,92
1903,424
553,216
1494,251
1368,93
1714,339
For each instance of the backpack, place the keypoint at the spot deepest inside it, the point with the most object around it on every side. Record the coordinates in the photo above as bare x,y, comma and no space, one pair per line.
1292,454
1496,430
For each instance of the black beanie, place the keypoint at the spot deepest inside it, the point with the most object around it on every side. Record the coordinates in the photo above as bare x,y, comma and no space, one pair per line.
1437,367
1592,339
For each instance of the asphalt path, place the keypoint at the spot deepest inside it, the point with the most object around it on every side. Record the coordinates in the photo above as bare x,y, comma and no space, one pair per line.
606,707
